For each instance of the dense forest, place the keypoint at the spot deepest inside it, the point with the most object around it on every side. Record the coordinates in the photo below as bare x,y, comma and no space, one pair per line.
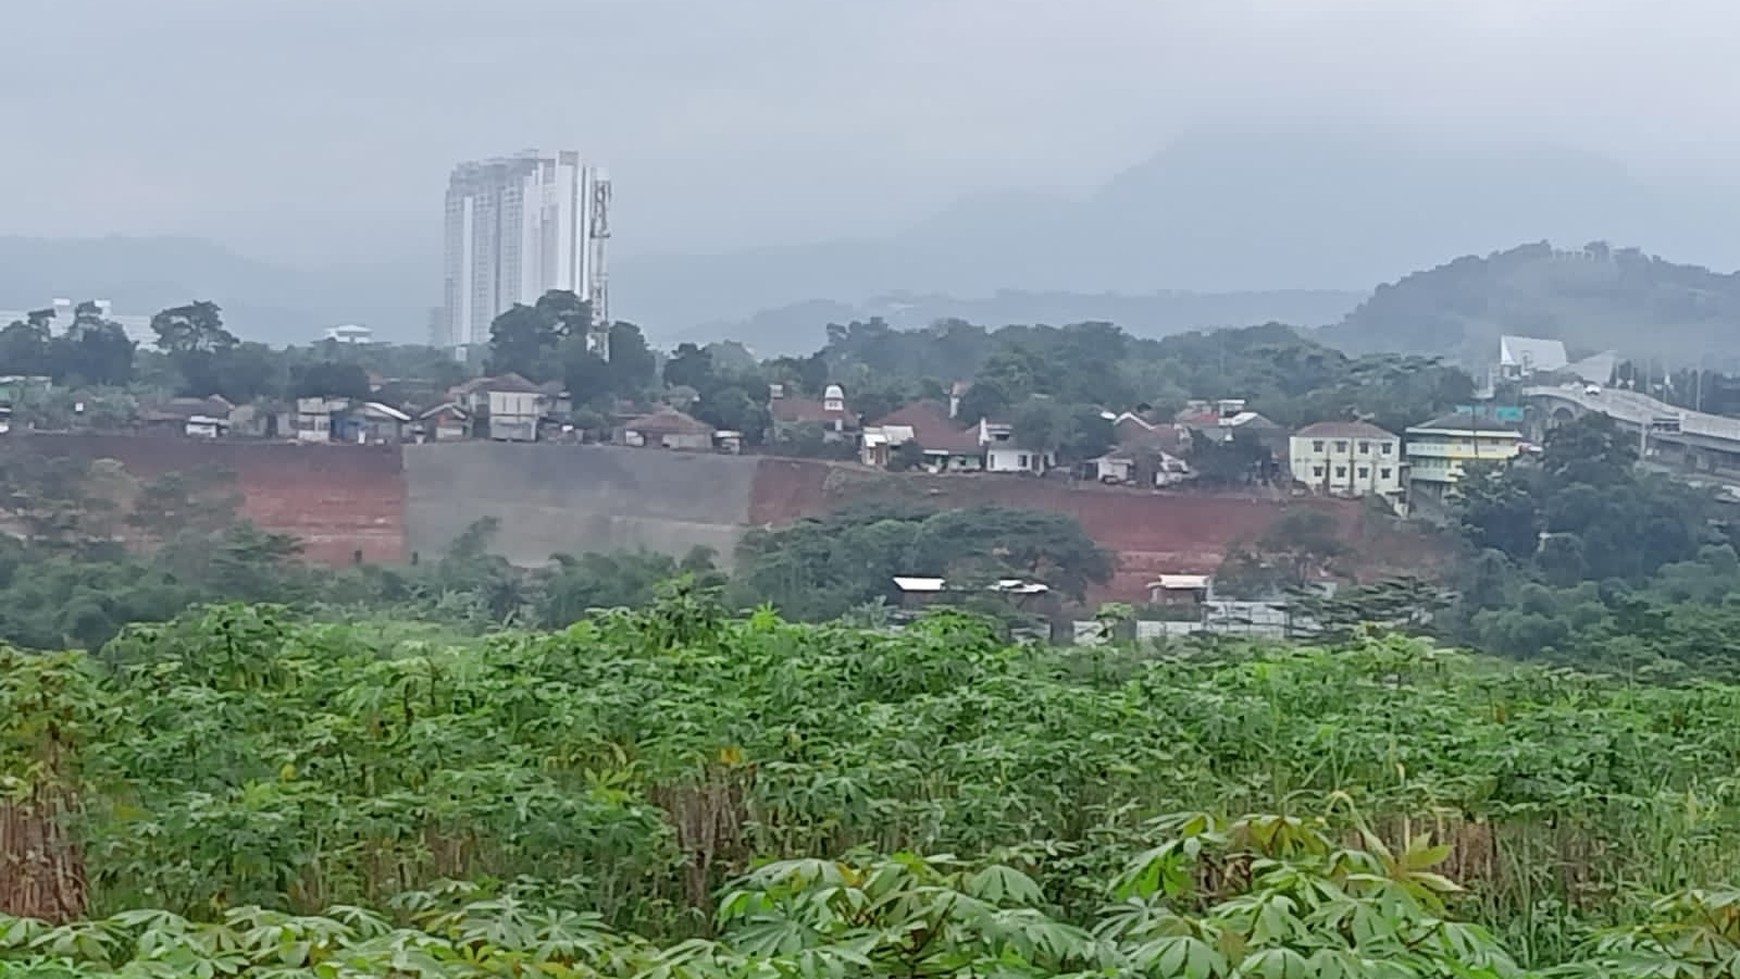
1595,298
679,793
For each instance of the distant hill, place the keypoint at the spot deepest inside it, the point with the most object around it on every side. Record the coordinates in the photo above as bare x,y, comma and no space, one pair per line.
261,302
1593,298
800,327
1218,210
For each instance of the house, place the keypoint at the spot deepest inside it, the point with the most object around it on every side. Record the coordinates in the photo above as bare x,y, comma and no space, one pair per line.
945,446
1438,450
1132,431
831,414
1522,356
193,417
1347,459
262,420
668,428
1113,467
444,423
1179,590
920,592
1170,470
514,405
370,422
1004,455
877,443
314,418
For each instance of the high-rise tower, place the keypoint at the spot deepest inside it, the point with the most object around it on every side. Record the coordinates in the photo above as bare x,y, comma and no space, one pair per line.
517,227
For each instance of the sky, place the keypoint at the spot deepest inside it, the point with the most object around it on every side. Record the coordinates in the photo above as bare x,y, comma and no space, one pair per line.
317,130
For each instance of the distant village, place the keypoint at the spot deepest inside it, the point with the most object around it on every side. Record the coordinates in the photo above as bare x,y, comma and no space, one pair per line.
1349,459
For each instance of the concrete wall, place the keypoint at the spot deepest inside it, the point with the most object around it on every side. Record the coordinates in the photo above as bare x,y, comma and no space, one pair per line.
573,499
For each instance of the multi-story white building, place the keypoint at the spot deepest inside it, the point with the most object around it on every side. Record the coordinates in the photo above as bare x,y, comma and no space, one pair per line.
1347,459
517,227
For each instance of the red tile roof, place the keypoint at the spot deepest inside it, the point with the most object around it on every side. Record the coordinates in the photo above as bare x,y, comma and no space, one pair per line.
933,428
801,410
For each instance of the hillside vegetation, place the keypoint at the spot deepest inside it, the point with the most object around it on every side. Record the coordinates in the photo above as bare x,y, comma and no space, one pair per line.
672,794
1594,298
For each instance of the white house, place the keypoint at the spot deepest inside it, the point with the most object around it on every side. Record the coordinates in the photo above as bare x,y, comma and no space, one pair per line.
1347,459
1003,455
515,406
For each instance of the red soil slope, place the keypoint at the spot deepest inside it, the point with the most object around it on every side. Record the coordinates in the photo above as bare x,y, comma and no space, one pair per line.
341,500
1150,532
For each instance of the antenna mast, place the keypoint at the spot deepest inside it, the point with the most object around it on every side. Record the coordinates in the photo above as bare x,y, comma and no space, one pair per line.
598,275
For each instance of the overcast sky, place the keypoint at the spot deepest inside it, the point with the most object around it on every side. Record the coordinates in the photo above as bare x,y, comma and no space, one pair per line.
300,129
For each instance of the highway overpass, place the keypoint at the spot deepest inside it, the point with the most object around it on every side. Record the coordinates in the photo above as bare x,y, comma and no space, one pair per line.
1704,443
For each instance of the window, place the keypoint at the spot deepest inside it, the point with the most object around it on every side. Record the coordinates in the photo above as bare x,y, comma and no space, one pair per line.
1387,446
1021,460
1364,472
1365,448
1317,445
1317,471
1340,446
1384,473
1340,472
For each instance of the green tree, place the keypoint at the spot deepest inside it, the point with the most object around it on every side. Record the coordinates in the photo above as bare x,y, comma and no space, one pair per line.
197,328
330,379
24,344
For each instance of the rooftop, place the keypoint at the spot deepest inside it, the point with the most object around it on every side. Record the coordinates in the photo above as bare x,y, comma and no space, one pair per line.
1343,430
669,421
932,428
1462,421
1531,353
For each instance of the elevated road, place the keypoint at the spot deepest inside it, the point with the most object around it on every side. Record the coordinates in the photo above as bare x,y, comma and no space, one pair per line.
1637,409
1705,449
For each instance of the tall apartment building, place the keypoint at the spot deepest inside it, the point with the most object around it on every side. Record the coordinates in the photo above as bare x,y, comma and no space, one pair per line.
517,227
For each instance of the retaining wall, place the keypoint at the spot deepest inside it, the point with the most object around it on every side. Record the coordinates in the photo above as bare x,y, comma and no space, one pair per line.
575,498
391,502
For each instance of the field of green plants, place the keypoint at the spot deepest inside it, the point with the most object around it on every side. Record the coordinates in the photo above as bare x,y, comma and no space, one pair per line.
673,794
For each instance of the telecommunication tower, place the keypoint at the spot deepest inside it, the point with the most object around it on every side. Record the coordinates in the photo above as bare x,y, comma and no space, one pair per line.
598,273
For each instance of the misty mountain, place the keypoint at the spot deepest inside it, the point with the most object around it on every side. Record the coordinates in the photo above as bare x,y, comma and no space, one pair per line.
1283,219
1219,210
260,301
1593,298
800,328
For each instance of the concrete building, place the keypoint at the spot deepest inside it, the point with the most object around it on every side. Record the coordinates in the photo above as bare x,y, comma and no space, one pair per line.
1347,459
349,333
517,227
515,406
1439,449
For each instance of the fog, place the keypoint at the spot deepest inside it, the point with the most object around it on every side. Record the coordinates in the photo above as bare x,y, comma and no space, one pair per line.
316,130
